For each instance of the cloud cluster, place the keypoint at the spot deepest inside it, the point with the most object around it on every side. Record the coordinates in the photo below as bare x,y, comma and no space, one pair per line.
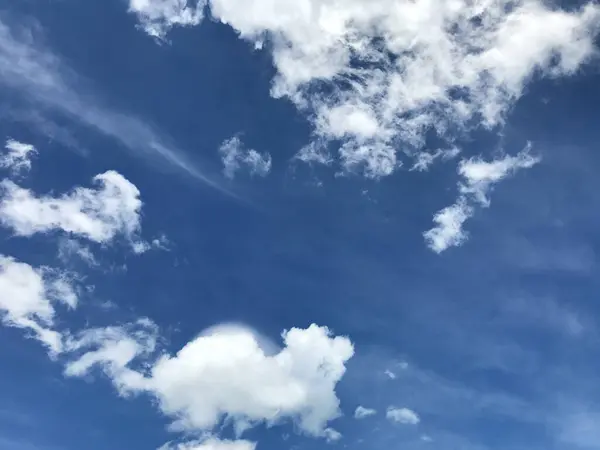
375,80
235,157
227,374
478,178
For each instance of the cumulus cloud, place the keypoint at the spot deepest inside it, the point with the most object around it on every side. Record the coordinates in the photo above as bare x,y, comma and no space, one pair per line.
27,297
235,157
158,16
402,415
110,208
226,374
477,180
361,412
378,79
17,156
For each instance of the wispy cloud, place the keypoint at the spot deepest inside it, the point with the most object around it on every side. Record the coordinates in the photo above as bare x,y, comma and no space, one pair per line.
235,158
36,72
17,156
478,178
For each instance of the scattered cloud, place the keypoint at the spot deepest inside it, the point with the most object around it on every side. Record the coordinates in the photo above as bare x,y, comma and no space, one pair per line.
17,156
27,296
478,179
235,157
402,415
379,80
100,213
361,412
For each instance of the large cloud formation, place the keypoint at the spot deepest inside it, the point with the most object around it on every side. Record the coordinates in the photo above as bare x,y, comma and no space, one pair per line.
375,80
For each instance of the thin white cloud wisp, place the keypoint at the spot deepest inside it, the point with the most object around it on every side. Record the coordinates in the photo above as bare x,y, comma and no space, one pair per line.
478,178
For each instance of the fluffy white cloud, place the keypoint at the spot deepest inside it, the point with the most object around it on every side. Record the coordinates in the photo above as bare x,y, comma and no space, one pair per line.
158,16
226,374
361,412
379,78
27,296
478,178
100,213
212,444
17,156
236,157
402,415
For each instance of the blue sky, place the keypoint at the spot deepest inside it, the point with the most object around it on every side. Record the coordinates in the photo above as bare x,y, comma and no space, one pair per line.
299,224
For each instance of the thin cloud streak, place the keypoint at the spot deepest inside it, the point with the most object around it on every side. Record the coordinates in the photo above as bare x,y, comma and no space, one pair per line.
41,75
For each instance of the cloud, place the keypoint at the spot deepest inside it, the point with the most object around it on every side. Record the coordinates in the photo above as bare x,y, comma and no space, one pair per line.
478,179
361,412
378,80
69,248
17,157
158,16
212,444
101,213
402,415
42,76
27,296
235,157
227,375
332,435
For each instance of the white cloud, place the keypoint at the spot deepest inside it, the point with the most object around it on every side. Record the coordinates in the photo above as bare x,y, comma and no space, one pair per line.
27,296
226,374
17,156
380,78
158,16
101,213
235,157
448,231
361,412
391,375
212,444
402,415
478,179
332,435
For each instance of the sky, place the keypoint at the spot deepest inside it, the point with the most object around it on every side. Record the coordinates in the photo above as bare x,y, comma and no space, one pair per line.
299,224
